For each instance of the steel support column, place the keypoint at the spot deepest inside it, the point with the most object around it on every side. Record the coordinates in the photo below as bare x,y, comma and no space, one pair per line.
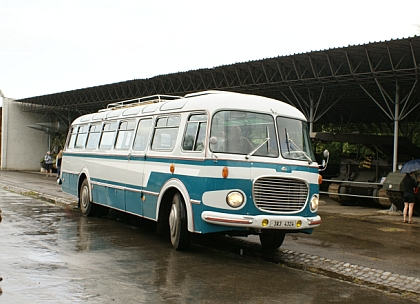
311,114
396,126
308,106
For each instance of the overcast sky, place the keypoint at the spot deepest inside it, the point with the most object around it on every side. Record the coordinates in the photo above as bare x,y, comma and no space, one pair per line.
50,46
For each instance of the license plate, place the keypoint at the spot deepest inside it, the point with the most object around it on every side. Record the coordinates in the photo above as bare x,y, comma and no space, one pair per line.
286,224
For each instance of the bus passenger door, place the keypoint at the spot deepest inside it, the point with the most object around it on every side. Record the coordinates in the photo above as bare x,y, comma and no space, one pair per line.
134,178
134,181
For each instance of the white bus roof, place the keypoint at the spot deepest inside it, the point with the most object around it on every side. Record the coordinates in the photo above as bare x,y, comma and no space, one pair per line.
206,100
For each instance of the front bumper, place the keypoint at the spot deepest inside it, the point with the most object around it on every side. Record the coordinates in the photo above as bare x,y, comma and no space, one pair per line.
256,221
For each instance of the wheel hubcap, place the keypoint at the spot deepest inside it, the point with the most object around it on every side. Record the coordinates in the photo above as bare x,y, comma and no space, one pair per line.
85,197
173,220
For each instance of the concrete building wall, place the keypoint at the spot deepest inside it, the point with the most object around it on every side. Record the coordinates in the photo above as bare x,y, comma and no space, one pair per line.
1,125
22,148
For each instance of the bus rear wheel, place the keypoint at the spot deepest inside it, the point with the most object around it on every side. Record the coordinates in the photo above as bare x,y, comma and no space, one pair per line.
180,236
84,199
86,206
271,239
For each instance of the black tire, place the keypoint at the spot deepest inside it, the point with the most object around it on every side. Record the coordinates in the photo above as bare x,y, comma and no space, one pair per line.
179,234
271,239
397,198
85,204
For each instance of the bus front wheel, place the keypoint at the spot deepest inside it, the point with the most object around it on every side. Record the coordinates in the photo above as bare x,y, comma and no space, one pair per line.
271,239
180,236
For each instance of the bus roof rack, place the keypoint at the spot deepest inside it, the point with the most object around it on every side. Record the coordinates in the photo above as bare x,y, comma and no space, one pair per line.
139,101
205,93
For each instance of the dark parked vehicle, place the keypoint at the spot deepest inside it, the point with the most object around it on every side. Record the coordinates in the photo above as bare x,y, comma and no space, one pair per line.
365,164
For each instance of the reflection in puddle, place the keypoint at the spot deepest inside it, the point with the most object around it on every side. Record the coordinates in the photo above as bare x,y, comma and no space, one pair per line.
83,236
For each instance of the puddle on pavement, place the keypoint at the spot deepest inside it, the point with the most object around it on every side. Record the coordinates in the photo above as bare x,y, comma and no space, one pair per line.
391,229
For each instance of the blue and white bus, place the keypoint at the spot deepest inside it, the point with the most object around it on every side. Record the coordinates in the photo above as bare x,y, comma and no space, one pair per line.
208,162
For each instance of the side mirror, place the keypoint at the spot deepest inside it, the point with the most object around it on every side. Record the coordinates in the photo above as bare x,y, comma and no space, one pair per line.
213,140
325,162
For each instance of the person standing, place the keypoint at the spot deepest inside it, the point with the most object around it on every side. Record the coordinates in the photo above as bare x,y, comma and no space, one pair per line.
48,163
58,162
410,189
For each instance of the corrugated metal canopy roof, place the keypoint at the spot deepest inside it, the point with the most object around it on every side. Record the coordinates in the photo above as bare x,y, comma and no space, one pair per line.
350,84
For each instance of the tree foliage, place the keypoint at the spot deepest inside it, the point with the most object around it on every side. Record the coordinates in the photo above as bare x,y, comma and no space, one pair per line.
410,130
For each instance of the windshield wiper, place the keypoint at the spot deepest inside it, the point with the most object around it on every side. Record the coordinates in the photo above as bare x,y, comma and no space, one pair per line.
287,140
310,161
261,144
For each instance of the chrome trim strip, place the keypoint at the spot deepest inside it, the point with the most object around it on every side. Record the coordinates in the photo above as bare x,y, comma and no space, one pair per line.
150,193
107,185
256,221
124,188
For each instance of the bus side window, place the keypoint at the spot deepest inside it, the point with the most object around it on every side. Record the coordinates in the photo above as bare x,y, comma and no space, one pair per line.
93,136
195,133
81,137
72,138
201,138
166,131
107,138
142,135
124,135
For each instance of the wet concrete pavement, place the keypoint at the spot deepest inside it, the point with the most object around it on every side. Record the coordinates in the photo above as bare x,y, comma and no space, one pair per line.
62,256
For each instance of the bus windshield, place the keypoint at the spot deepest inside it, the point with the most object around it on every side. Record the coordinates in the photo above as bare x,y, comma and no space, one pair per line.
294,139
241,132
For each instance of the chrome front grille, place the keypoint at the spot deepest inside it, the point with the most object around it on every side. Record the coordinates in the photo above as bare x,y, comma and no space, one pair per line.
279,194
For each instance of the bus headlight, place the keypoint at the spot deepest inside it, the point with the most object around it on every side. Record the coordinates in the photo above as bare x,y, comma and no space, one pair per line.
314,203
235,199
